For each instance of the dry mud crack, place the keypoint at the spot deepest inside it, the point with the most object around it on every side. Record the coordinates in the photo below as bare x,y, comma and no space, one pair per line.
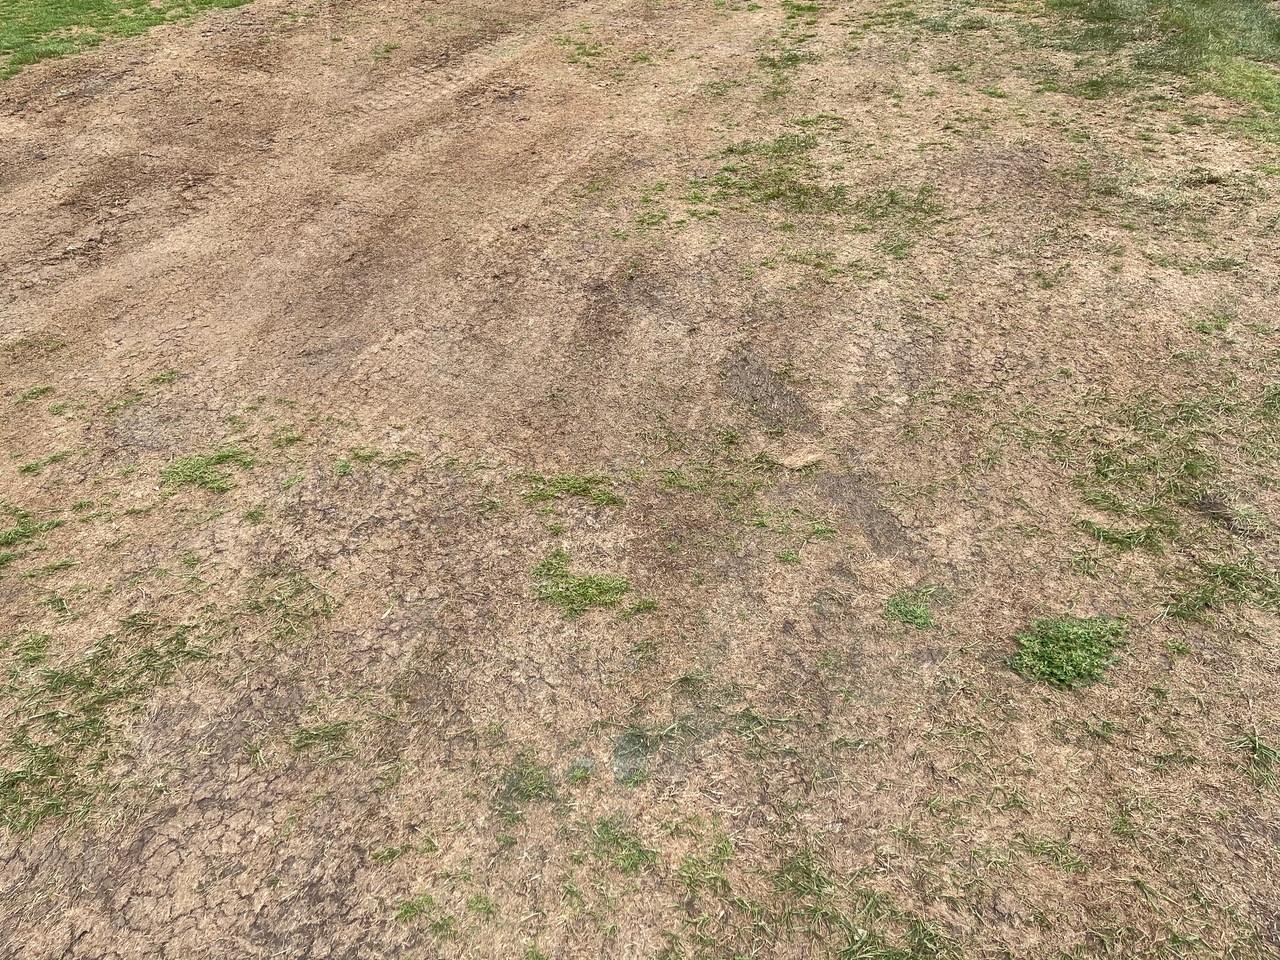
631,479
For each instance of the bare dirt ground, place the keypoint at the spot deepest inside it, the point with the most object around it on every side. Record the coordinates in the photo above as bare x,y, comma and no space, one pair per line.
566,480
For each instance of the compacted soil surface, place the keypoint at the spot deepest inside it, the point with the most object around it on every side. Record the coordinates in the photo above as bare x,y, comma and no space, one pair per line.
640,479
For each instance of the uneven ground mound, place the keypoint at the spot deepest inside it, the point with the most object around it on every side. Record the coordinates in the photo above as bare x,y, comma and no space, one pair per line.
643,479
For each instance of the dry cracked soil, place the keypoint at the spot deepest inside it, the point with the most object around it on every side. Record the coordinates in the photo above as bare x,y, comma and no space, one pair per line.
639,479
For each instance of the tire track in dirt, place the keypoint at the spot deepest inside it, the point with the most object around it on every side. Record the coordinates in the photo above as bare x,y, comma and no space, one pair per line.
434,189
424,85
202,193
366,260
164,191
466,343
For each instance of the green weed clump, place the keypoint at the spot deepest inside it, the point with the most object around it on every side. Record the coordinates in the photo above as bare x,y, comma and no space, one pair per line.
1069,652
572,593
35,393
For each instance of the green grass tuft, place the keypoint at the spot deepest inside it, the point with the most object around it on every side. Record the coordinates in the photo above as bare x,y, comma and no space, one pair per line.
292,605
1218,583
1261,759
203,471
614,842
25,528
72,716
1179,36
424,906
1230,47
594,487
331,740
527,781
778,172
912,607
572,593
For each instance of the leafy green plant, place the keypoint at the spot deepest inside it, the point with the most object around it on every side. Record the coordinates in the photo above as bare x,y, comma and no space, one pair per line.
482,905
1069,652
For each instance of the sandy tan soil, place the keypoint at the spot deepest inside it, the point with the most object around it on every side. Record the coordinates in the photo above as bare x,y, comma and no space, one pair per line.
398,260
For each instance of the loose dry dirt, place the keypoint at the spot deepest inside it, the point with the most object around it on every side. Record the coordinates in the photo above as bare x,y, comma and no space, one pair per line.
396,261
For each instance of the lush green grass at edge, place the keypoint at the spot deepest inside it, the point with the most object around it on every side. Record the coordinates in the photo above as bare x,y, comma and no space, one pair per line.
35,30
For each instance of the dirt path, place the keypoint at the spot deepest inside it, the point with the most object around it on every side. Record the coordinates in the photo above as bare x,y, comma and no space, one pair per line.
564,480
402,213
